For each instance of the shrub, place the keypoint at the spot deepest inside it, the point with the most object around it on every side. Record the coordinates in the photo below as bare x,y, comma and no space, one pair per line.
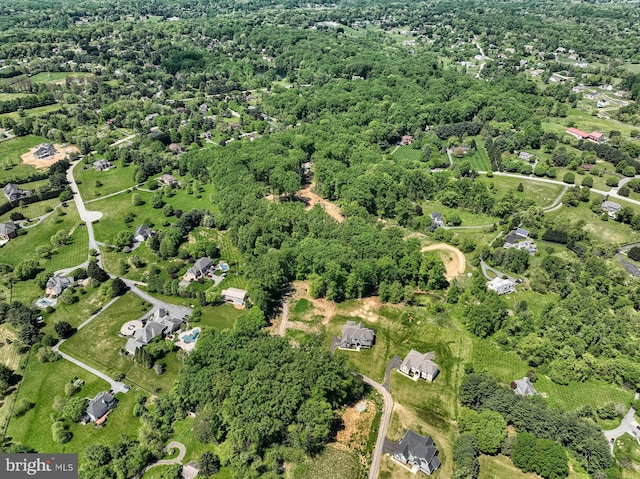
634,253
612,181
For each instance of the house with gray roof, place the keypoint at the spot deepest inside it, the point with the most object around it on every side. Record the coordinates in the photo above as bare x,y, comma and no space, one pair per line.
101,165
611,208
523,387
355,336
44,151
169,180
420,366
13,192
199,269
161,323
436,220
419,453
56,285
234,296
8,231
142,233
100,405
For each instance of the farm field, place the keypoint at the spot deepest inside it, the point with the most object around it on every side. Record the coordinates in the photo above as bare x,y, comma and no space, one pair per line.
40,110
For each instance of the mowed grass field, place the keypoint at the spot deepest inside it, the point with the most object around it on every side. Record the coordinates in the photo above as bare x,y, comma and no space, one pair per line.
543,194
33,210
479,160
40,110
10,151
407,152
9,353
41,384
115,179
627,452
25,246
468,218
586,122
56,77
98,344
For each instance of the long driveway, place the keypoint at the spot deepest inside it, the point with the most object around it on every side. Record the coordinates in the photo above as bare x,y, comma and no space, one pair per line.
378,451
87,216
177,311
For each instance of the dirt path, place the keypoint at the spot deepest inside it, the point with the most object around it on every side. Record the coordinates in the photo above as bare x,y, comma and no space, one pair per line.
310,198
456,263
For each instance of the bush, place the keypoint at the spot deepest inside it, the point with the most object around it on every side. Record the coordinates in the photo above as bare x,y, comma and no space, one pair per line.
612,181
569,178
624,190
60,432
634,253
587,181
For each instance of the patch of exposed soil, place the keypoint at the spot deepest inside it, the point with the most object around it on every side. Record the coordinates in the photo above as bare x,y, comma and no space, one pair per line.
357,421
454,260
368,309
310,199
61,153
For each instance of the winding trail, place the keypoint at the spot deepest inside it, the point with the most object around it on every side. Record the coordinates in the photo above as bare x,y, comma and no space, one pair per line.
457,266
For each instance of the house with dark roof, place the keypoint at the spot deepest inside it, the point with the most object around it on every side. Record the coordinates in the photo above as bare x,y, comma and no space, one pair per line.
523,387
56,285
142,233
420,366
13,192
44,151
519,239
161,323
418,453
169,180
355,336
199,269
8,231
100,406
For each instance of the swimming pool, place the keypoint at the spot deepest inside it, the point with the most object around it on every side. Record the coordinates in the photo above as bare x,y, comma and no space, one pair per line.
45,302
191,338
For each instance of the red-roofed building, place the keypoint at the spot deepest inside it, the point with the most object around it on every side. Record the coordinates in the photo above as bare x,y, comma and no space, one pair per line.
581,135
406,140
596,136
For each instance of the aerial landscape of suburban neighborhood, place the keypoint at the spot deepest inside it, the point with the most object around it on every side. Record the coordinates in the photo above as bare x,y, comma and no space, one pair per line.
340,239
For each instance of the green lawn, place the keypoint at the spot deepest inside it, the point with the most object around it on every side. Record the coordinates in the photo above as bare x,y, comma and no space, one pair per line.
41,110
41,383
574,395
115,179
543,194
47,77
468,218
408,153
25,245
586,122
332,463
501,467
219,317
479,160
12,96
33,210
627,452
10,151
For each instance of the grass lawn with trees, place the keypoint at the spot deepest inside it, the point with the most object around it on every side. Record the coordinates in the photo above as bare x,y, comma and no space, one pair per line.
116,178
407,152
41,383
99,345
33,210
10,151
627,452
543,194
40,110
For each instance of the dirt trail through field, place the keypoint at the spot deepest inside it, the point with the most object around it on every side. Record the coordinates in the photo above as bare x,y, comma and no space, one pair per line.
310,198
456,263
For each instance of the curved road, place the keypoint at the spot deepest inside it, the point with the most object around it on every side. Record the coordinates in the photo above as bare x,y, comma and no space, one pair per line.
384,425
176,460
627,425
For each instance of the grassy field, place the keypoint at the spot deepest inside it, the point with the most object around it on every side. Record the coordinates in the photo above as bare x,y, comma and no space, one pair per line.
12,96
406,152
10,162
501,467
41,110
91,298
41,383
219,317
115,179
33,210
9,353
606,231
56,77
332,463
543,194
24,246
479,160
632,67
468,218
627,452
98,344
586,122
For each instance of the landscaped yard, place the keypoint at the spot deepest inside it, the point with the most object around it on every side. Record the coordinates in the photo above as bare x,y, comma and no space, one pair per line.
9,350
115,179
41,383
99,345
627,452
407,152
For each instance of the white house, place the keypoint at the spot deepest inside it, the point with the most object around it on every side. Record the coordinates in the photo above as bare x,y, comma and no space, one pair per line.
523,387
418,365
501,286
234,296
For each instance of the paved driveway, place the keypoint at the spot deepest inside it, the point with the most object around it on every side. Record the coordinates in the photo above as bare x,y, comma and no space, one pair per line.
627,425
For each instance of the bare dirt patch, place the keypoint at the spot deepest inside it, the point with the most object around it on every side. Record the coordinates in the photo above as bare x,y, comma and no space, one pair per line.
321,306
357,421
453,259
310,199
368,309
61,153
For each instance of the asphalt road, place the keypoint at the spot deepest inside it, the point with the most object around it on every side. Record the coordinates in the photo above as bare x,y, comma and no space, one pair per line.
627,425
378,451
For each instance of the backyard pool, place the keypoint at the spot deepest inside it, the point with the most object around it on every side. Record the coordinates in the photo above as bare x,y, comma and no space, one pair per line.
45,302
193,337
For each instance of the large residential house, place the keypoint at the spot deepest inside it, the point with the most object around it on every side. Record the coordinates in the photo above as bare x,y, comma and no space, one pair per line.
501,286
519,239
161,323
234,295
355,336
142,233
13,192
169,180
100,406
8,231
44,151
56,285
523,387
101,165
199,269
417,452
611,208
436,220
420,366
